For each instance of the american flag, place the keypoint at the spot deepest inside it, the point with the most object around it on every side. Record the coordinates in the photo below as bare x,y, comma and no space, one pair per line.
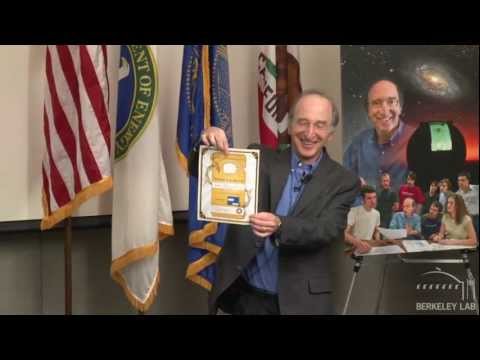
76,164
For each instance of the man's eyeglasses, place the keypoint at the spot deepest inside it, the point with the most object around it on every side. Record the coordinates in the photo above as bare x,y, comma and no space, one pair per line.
318,125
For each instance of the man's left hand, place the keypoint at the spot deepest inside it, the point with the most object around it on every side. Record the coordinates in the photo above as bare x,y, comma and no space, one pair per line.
264,224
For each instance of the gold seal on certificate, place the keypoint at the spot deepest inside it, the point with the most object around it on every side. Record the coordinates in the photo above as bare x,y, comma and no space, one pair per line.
227,185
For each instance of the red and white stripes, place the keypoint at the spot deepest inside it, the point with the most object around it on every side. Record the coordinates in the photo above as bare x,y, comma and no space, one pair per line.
76,164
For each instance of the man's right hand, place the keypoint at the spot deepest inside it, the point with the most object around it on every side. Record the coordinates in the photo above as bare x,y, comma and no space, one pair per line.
214,136
362,247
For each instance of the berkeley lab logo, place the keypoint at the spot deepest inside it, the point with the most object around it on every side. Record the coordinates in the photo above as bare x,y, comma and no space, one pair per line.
440,291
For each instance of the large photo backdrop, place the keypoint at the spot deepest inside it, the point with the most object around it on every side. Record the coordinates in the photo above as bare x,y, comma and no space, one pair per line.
438,111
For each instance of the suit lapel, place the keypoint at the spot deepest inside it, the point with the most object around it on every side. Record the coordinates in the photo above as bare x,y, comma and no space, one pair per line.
317,186
280,168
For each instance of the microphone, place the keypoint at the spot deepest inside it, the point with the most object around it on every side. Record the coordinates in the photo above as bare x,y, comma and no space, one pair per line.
304,180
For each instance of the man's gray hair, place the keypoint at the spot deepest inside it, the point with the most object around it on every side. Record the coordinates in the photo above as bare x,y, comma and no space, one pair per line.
335,114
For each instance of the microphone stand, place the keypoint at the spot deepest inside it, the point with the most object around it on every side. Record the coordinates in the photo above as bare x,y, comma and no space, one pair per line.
356,269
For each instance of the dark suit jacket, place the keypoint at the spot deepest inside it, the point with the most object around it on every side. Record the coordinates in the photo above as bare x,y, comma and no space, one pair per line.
319,217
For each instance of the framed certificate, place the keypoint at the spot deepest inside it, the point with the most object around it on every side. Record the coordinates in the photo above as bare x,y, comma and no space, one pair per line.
227,185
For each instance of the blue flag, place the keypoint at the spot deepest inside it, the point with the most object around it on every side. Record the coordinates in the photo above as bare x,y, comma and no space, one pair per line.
204,102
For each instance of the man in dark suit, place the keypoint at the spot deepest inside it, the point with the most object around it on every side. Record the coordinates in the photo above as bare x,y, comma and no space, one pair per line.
279,264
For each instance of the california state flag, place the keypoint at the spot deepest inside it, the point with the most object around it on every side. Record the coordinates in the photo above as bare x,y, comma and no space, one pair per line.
142,213
278,87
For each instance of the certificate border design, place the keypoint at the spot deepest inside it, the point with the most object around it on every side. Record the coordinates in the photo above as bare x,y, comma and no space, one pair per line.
202,217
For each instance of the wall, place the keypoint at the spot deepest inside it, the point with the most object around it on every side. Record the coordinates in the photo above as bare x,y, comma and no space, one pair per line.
21,109
31,262
32,277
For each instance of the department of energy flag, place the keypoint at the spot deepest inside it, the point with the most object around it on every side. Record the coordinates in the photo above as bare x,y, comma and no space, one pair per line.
76,164
278,87
204,102
142,213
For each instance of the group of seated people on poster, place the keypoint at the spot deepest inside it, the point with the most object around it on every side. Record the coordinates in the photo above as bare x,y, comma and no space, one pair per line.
440,215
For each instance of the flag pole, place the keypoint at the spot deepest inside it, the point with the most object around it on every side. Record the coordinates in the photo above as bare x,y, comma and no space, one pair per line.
68,266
